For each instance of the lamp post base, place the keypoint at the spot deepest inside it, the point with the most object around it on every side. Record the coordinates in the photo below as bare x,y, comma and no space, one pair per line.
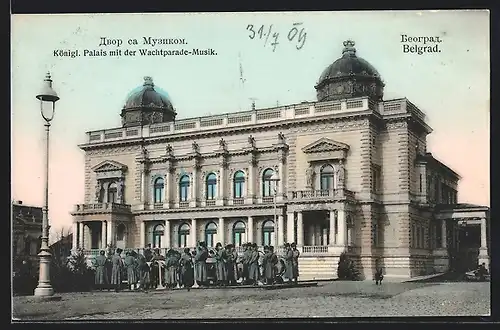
44,288
44,291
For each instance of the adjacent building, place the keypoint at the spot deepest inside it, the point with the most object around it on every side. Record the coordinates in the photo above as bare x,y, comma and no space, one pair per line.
26,232
349,172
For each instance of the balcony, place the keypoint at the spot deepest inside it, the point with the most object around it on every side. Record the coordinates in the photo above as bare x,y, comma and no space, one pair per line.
101,208
319,195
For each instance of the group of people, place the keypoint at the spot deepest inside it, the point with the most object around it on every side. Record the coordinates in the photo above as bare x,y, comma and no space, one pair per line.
190,267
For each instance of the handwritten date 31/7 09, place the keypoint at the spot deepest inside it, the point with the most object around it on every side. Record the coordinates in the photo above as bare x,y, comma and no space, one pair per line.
272,37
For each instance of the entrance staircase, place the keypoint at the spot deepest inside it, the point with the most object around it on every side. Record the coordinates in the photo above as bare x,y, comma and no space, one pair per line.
318,268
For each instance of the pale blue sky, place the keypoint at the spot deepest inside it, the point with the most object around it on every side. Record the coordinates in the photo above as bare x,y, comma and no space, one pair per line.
451,87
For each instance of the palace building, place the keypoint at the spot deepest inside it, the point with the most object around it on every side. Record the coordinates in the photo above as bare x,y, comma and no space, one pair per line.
349,172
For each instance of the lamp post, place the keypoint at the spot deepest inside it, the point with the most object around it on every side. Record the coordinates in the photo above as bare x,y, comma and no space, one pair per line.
275,179
48,98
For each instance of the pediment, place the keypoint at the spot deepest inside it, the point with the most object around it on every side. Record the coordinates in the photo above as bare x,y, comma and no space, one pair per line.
323,145
109,166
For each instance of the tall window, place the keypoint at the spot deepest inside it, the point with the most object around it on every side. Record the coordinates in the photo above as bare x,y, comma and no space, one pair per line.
158,234
327,176
210,232
159,187
112,193
184,188
184,235
268,233
211,186
239,184
239,233
267,184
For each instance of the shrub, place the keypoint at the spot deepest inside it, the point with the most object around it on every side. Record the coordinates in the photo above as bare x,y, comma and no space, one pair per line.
346,269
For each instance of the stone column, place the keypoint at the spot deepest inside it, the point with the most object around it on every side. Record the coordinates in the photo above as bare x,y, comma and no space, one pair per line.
142,234
168,187
221,231
279,191
443,234
193,233
300,229
167,234
281,230
104,232
332,228
110,237
250,237
251,183
484,243
194,188
75,236
81,235
341,227
325,237
222,181
318,234
290,227
143,185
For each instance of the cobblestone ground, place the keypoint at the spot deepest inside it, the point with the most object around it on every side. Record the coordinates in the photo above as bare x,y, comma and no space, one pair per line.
332,299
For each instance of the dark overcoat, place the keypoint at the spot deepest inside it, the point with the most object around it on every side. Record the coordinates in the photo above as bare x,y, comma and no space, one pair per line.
101,277
131,266
221,267
116,271
289,264
187,270
231,265
171,270
253,266
270,260
200,260
295,263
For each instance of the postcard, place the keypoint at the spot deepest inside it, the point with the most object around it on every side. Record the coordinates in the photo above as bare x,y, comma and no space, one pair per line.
250,165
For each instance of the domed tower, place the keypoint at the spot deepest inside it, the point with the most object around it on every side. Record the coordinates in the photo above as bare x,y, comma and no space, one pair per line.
146,105
349,76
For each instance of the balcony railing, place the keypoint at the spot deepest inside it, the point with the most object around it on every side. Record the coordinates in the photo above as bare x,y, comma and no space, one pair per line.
102,207
320,194
238,201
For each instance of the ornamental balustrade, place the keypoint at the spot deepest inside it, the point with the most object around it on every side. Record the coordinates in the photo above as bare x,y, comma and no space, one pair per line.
260,116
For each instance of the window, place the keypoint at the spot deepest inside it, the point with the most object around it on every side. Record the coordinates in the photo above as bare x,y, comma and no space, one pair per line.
120,232
210,232
211,186
184,235
268,233
158,233
239,184
420,183
159,187
239,233
267,184
327,177
184,188
112,193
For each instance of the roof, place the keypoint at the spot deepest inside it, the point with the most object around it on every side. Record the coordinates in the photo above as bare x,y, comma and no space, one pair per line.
431,160
459,206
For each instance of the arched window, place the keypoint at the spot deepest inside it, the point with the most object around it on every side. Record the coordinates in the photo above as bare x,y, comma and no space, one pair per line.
159,187
327,177
268,233
239,233
184,188
158,233
211,186
239,184
112,193
184,235
210,232
267,184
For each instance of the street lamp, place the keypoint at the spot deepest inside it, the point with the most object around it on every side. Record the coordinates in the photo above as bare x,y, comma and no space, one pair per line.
48,98
275,179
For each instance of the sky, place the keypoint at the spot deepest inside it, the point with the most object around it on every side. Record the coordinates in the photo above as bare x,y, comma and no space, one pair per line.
451,87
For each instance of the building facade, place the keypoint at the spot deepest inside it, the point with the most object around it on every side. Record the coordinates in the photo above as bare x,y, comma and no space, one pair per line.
26,232
347,173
